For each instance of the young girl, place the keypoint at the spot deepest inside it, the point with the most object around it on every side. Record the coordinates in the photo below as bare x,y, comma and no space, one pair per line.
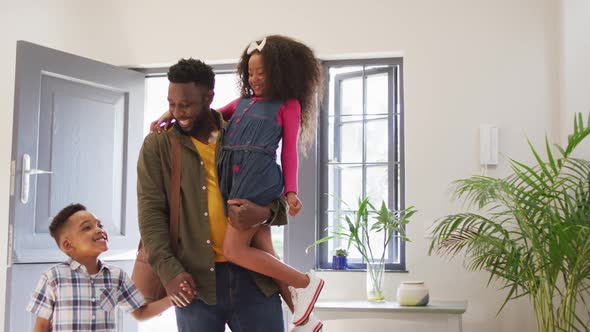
279,81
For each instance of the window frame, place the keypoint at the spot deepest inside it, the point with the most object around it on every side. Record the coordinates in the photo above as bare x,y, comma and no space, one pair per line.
396,156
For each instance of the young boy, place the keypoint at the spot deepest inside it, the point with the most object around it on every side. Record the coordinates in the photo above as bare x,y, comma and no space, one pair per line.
82,293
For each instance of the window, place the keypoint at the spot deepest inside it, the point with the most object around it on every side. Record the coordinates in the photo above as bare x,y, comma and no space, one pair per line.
360,148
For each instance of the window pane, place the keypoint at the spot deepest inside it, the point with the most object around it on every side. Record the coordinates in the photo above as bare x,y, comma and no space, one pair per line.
277,240
377,132
337,219
156,100
377,184
333,72
333,222
348,139
376,240
351,97
354,256
226,89
377,94
346,183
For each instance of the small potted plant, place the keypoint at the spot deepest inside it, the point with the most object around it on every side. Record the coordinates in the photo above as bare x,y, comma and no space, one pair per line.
339,261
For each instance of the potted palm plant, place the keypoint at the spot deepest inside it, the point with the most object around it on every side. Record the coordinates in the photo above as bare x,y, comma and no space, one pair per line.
531,231
357,228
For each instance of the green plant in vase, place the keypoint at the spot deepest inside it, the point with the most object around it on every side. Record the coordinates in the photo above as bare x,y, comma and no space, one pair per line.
358,226
341,252
531,231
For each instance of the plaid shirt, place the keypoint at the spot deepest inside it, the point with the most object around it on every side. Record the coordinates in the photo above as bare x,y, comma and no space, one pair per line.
73,300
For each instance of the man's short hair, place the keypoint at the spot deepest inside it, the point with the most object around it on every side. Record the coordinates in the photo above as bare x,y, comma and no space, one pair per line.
191,70
59,221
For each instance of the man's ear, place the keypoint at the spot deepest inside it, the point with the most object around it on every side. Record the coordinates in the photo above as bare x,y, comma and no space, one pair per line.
210,96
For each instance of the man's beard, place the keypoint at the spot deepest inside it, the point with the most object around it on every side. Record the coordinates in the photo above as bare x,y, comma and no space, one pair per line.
205,122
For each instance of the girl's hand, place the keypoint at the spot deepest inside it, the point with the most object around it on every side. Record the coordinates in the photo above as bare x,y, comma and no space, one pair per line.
164,122
294,204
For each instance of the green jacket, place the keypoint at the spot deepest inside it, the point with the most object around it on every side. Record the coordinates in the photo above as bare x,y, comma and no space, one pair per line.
195,253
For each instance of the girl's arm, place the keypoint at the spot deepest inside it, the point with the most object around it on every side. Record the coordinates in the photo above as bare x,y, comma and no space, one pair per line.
41,325
152,309
165,120
228,110
290,117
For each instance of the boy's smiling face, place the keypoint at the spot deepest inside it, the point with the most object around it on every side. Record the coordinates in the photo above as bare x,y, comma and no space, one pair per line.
84,236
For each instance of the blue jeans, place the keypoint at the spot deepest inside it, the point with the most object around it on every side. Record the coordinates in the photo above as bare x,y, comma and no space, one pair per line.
240,304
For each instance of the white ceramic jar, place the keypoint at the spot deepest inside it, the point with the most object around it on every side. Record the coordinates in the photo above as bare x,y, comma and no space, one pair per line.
412,293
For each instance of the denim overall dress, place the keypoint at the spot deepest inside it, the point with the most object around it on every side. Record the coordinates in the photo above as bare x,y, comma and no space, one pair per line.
247,166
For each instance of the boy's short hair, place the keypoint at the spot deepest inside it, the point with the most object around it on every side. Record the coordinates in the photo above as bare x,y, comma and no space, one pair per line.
60,219
192,71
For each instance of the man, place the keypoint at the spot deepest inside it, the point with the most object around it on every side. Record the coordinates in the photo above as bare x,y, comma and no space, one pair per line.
225,293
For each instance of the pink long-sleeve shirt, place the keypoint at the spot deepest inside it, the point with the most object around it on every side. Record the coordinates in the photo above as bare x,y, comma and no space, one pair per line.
289,117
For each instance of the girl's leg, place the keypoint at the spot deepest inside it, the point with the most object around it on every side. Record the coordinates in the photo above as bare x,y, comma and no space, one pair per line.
305,288
237,249
262,240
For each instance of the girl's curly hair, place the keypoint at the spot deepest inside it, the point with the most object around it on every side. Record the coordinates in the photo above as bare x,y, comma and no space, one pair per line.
292,71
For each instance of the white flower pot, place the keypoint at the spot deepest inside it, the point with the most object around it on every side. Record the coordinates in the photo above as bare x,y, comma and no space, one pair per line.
412,293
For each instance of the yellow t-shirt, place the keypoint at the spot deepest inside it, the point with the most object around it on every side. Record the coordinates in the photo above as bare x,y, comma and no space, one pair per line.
217,218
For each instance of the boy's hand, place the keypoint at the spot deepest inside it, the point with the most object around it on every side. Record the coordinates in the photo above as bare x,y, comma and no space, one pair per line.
294,203
186,287
163,123
177,296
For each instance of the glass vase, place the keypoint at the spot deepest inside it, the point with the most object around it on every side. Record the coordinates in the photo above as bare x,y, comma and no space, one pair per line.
375,280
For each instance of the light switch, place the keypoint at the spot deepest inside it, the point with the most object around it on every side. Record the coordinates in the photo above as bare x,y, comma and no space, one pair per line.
488,145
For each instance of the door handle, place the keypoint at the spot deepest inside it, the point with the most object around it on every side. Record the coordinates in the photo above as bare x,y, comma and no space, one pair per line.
25,177
38,171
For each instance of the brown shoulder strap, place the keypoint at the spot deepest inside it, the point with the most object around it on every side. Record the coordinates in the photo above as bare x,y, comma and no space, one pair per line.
175,191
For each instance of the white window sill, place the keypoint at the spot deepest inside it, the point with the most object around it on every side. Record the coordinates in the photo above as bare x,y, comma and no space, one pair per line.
436,316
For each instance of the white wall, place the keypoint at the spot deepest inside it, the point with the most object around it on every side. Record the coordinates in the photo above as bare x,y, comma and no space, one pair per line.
575,52
575,74
467,62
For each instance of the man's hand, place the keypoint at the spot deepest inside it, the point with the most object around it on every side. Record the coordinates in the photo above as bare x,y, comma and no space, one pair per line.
243,214
174,290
